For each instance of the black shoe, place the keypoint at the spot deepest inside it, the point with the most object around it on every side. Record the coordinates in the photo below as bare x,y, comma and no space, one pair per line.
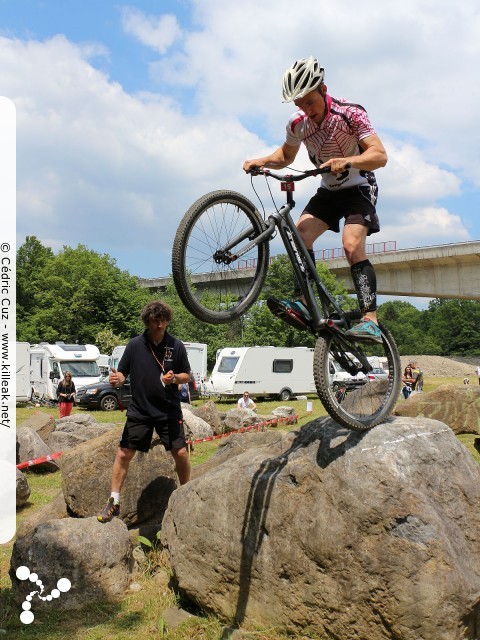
109,511
293,313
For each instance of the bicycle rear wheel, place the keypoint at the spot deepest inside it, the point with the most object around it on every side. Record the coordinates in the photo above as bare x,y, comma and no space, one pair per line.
214,222
367,404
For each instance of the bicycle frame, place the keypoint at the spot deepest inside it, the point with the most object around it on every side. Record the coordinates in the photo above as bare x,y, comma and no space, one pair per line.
300,259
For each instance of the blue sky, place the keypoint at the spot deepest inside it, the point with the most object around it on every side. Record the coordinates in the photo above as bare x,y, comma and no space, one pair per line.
126,113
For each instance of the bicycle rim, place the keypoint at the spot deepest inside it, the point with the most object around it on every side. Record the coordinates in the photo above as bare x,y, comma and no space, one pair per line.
211,290
368,404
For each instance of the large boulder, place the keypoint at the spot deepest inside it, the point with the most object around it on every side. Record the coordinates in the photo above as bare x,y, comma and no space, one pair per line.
87,475
95,558
356,535
195,427
235,445
210,414
31,446
70,433
455,405
22,489
53,510
40,422
238,418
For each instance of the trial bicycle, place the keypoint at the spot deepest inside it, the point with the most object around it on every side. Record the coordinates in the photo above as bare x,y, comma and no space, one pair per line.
224,240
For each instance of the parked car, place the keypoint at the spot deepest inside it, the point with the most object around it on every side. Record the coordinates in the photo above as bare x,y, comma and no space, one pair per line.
101,395
377,374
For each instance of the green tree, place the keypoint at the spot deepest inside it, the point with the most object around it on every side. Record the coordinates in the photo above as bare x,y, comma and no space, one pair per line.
32,257
106,340
408,326
454,325
78,293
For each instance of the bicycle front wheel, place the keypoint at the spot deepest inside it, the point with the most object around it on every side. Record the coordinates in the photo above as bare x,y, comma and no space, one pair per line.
212,232
366,402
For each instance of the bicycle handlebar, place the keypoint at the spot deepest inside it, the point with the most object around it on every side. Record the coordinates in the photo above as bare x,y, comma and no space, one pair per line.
289,177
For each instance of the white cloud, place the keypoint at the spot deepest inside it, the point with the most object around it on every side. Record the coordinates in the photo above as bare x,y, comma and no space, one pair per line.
157,32
424,226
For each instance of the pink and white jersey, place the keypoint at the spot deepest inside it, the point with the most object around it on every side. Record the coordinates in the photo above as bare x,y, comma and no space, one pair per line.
344,125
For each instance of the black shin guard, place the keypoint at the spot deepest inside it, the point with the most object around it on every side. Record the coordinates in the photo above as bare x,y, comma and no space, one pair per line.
365,282
296,285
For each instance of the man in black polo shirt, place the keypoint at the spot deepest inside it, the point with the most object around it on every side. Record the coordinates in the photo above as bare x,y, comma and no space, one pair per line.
156,363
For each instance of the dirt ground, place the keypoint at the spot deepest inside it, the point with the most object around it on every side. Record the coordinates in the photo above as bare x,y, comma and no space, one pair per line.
445,367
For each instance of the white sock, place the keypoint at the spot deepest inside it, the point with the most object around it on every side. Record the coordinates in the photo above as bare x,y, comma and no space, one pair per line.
116,497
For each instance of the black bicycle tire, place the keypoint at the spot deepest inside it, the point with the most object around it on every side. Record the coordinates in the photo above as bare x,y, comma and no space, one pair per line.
179,267
336,410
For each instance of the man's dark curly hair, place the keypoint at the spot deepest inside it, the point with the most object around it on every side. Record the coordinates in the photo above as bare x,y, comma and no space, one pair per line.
157,310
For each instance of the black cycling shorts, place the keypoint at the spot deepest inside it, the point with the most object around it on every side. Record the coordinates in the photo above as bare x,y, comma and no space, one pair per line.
137,434
356,205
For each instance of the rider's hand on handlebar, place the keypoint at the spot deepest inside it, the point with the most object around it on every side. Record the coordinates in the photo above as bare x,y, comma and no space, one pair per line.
337,165
251,166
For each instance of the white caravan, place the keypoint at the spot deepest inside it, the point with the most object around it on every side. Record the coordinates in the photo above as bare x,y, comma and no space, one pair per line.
197,357
102,362
49,362
22,379
263,371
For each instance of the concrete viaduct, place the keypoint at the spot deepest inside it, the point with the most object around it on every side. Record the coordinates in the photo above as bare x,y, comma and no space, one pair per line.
441,271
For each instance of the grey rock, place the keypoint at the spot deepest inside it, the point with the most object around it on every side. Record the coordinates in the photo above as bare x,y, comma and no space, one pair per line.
356,535
22,489
455,405
71,434
174,617
238,418
283,411
211,415
54,510
239,443
96,558
75,419
31,446
87,474
40,422
196,428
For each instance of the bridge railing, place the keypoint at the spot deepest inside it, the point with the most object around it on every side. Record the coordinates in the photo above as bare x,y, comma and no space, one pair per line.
330,254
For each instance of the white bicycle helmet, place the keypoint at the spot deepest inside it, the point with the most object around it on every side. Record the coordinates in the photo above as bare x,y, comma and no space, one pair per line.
303,76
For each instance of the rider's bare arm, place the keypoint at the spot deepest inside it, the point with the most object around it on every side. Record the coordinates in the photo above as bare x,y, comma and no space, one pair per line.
373,157
279,159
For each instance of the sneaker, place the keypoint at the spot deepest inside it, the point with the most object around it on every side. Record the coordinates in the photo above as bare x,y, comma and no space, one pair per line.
109,511
365,330
294,313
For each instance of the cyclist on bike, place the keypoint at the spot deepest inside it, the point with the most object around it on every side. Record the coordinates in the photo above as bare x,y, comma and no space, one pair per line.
337,134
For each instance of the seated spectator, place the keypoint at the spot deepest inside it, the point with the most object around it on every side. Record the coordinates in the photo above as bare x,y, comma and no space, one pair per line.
245,402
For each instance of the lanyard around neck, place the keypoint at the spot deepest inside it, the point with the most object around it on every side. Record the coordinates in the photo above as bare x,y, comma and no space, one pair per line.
160,364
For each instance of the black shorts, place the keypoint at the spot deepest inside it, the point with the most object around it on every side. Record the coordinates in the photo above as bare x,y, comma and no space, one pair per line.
356,205
137,434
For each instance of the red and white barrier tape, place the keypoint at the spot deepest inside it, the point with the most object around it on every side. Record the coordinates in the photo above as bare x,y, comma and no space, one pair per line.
257,426
32,463
265,423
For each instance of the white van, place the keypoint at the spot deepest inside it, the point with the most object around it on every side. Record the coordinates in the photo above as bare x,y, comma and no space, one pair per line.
22,378
263,371
338,376
197,357
48,363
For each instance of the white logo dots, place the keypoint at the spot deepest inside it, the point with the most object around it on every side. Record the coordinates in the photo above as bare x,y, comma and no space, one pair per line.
23,573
